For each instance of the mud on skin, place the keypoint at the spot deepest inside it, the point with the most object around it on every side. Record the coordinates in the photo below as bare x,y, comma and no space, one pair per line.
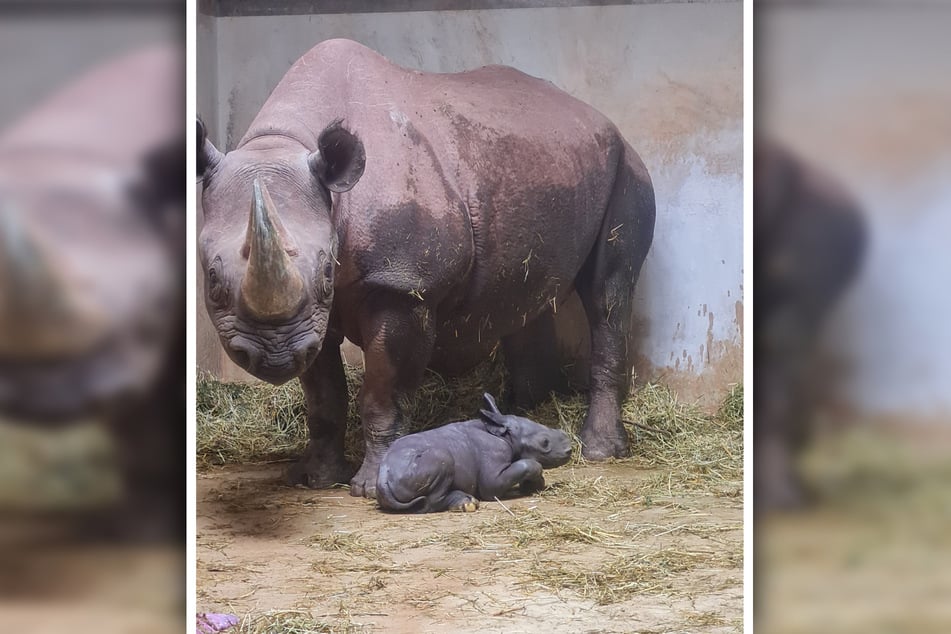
423,225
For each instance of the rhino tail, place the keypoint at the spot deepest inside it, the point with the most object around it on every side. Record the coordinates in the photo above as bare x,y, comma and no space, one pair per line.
389,502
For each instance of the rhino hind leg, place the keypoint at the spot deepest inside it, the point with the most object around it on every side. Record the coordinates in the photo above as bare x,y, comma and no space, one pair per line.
606,287
779,486
534,364
459,501
397,348
325,387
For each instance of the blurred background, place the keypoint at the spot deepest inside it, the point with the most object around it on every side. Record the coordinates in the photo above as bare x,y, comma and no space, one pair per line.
852,229
92,330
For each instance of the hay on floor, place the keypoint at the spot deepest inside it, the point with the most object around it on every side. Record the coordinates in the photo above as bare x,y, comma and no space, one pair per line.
691,450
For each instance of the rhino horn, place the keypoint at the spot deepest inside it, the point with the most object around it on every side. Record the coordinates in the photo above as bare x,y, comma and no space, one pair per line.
40,316
272,285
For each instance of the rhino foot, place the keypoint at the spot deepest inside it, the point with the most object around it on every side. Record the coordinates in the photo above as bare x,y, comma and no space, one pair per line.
778,486
781,492
461,501
315,472
364,483
784,498
597,445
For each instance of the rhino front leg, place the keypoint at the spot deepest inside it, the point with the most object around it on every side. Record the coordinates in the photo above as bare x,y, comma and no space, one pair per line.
526,474
398,344
325,388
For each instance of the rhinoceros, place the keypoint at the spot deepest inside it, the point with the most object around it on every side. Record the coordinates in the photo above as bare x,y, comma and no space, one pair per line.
454,466
426,218
92,222
809,242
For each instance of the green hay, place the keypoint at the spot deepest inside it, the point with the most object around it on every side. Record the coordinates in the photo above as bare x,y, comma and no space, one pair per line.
692,450
248,422
256,422
75,468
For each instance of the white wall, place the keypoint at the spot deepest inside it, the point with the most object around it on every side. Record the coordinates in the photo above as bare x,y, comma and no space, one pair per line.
669,75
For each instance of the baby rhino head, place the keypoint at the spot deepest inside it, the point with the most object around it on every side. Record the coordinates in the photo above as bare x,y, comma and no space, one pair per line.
550,447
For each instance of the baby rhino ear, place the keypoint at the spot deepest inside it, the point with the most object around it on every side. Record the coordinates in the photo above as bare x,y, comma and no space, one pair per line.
494,423
490,402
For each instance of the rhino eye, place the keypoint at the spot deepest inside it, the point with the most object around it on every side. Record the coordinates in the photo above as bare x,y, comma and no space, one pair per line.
328,278
545,443
324,284
216,290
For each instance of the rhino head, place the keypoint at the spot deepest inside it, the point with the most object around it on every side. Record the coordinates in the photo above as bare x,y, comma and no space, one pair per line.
90,287
268,246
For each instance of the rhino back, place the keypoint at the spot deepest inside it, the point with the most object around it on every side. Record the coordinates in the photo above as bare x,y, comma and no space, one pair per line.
484,191
113,115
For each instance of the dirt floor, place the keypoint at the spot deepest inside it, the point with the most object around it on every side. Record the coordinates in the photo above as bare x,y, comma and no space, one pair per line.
592,553
874,553
54,575
54,586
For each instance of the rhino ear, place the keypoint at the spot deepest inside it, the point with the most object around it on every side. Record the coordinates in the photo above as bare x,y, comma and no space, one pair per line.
339,160
490,402
158,189
494,422
208,155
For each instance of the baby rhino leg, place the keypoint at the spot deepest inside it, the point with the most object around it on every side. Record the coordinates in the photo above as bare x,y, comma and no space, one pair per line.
459,501
525,473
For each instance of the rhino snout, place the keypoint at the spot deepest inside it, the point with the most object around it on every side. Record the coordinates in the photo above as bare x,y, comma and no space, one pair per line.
555,449
562,447
275,367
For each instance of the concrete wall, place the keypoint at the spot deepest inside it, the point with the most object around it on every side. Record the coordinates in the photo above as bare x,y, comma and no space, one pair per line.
669,75
863,93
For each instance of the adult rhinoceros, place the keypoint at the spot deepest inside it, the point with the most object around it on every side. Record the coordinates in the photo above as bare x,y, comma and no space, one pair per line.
810,239
92,228
425,217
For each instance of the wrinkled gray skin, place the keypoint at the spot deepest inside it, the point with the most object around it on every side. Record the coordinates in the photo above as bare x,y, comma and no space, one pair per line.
92,218
452,467
809,241
427,218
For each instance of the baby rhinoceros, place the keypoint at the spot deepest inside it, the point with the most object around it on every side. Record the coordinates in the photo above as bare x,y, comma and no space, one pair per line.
454,466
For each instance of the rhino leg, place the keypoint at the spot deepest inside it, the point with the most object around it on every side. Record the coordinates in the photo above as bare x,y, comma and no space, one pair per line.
325,388
525,474
606,287
782,411
459,501
398,344
149,436
533,363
